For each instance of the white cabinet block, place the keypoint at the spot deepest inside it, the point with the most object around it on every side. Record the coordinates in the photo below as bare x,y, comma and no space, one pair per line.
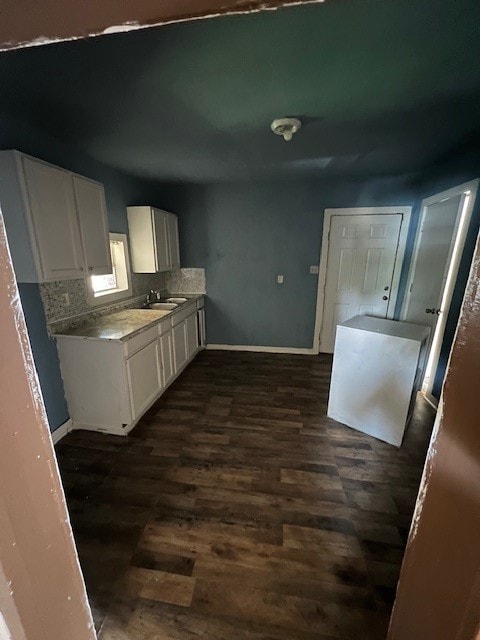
375,375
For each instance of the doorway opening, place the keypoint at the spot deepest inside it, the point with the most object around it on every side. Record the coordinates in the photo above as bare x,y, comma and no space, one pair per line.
440,241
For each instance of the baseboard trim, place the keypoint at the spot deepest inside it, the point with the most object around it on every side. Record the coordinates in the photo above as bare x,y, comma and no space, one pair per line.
62,431
243,347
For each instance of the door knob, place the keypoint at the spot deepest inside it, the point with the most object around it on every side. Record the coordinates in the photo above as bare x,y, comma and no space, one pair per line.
385,298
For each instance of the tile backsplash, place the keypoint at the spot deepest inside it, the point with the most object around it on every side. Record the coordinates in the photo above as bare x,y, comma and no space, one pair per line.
186,281
61,315
56,309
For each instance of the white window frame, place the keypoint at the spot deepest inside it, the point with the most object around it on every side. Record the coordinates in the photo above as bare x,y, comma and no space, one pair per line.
116,294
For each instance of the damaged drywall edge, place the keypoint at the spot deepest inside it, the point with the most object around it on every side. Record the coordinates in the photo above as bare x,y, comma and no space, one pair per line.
133,25
7,274
471,301
427,472
14,627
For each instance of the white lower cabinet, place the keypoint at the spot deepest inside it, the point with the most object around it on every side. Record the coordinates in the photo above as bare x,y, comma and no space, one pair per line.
110,384
166,351
191,335
144,375
202,337
179,346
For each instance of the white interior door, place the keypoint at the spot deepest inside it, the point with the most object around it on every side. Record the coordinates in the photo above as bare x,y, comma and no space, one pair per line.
439,244
434,246
361,260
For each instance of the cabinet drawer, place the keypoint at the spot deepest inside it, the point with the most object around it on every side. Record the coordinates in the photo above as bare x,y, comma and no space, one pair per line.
184,313
140,340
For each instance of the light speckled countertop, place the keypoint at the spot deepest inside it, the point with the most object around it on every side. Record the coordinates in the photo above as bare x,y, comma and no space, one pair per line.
123,324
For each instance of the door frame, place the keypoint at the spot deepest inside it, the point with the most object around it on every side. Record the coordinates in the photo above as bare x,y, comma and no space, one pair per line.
457,244
405,212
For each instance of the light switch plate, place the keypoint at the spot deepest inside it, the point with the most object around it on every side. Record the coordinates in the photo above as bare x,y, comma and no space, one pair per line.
314,269
280,279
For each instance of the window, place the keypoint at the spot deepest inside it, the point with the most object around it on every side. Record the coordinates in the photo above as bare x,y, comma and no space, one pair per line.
115,285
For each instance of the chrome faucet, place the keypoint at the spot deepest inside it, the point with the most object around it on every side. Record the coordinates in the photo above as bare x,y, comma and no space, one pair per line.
152,296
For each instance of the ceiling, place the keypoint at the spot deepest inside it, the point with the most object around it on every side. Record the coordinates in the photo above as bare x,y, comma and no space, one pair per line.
382,87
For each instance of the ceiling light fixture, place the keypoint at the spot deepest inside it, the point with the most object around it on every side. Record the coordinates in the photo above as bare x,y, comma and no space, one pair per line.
285,127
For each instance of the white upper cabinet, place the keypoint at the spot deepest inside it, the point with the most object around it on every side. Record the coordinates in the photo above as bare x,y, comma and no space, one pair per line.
174,248
153,240
56,221
92,215
160,234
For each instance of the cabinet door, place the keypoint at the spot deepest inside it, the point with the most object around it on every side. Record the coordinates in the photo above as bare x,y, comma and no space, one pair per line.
179,346
160,225
54,219
166,352
92,215
191,333
143,371
173,245
201,327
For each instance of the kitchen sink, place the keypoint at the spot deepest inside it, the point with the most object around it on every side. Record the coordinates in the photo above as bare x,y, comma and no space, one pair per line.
166,306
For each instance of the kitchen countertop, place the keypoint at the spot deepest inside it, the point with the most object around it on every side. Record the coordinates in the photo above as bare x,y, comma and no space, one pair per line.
123,325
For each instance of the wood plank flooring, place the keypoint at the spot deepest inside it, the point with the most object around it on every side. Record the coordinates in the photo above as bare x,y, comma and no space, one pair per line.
237,510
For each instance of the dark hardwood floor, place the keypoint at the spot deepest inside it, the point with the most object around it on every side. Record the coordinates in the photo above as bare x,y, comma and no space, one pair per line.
237,510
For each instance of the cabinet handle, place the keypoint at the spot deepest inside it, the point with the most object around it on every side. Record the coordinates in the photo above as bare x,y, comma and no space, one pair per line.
90,268
81,268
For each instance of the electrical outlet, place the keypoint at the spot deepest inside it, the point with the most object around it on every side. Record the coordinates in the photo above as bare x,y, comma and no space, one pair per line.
280,279
66,299
314,269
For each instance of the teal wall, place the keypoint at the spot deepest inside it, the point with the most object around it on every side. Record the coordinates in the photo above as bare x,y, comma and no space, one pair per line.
244,234
45,355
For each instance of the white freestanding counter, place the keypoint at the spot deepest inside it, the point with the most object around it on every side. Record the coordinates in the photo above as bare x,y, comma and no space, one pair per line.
377,366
